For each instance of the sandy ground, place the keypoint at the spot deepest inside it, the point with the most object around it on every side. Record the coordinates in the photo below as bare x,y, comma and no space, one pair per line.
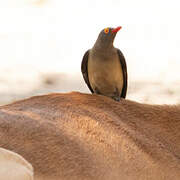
13,89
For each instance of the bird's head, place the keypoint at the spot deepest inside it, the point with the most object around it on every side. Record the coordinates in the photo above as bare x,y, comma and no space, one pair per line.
106,36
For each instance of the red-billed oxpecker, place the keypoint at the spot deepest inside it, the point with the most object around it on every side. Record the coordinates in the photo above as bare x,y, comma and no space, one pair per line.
104,67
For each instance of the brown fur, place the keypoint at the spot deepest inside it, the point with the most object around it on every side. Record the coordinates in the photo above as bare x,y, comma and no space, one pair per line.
91,137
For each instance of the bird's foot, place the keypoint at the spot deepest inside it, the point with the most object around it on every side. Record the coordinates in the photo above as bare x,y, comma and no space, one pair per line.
96,90
116,98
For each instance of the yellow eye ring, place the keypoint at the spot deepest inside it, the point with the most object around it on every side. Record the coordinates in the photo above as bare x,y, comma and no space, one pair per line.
106,30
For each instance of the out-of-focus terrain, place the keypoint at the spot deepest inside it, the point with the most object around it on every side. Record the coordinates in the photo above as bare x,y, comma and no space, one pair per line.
42,43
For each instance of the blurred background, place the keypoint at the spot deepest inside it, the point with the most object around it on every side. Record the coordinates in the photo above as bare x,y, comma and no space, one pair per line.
42,43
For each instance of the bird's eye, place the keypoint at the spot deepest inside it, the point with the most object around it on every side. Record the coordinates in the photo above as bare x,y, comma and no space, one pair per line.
106,30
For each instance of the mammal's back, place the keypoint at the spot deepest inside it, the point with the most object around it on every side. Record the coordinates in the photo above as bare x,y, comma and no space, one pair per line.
80,136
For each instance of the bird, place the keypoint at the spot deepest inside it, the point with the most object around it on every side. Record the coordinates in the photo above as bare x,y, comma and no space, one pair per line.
104,67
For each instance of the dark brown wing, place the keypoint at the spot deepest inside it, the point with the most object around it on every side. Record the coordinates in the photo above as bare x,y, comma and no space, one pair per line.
124,70
84,70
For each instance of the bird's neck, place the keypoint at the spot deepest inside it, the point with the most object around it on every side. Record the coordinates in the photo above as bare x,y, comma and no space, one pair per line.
103,52
103,46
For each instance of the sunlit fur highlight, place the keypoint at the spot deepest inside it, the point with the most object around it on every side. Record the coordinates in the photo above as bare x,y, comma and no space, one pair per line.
91,137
